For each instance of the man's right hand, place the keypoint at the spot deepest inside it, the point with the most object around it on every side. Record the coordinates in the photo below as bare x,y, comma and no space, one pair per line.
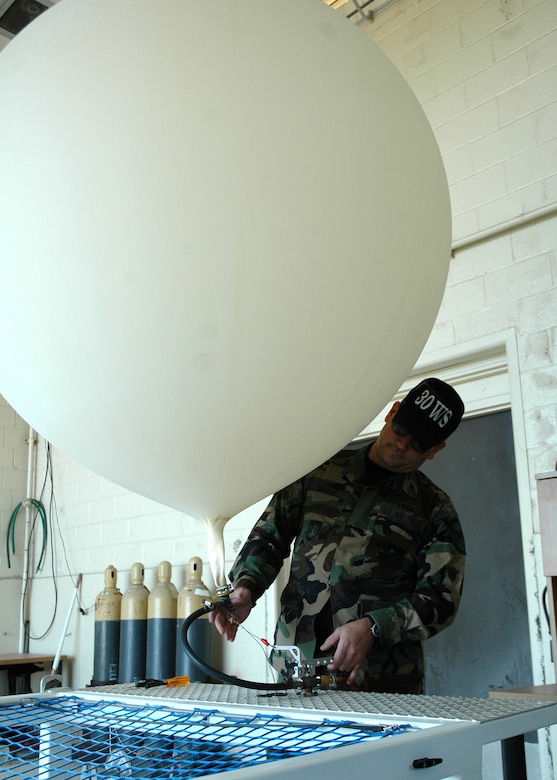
226,621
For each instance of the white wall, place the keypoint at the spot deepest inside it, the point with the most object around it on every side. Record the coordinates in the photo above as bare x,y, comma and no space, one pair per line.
13,489
486,75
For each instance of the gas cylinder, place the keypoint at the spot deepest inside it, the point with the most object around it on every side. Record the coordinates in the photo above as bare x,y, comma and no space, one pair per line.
161,625
190,599
133,628
107,631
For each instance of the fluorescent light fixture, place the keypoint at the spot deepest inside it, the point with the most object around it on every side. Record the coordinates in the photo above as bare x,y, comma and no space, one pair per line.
16,14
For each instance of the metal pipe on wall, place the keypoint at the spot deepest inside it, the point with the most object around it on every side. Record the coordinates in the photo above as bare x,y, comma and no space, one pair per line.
23,633
504,227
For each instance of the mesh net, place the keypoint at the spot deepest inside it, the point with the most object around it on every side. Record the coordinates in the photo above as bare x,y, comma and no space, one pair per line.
70,737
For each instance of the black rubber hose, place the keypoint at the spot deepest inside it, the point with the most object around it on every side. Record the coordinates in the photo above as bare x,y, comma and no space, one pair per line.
226,678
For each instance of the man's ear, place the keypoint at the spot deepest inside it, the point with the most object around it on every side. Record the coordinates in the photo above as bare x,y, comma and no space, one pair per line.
392,412
434,450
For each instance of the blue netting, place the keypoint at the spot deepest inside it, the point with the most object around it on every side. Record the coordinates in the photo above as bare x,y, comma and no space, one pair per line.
70,737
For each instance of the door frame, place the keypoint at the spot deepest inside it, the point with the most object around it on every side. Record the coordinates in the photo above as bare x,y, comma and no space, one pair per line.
486,373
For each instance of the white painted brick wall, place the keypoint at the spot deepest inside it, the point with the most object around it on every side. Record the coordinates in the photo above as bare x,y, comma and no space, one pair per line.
527,97
13,479
467,126
485,73
13,489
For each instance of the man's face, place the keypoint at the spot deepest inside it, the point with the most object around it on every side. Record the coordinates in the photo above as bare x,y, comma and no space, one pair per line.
395,452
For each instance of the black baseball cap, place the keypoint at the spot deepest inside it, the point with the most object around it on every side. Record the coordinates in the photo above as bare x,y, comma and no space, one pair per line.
430,412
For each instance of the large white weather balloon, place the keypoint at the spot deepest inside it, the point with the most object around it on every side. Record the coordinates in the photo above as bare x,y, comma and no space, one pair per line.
224,239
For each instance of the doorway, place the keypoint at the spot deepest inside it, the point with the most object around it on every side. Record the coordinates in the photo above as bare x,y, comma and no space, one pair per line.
488,646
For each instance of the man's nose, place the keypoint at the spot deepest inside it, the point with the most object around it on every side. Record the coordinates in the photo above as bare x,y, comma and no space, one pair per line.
403,442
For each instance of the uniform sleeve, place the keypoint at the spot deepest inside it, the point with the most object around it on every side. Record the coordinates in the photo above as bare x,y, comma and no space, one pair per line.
269,542
440,575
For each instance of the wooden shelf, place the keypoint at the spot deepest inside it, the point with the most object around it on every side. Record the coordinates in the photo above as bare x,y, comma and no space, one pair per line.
533,692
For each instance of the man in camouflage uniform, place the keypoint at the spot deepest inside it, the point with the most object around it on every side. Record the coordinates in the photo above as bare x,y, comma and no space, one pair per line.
378,558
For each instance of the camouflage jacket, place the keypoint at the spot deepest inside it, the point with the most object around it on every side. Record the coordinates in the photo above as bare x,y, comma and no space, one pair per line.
391,548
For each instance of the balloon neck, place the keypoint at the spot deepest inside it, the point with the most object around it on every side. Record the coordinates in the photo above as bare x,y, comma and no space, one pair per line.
215,541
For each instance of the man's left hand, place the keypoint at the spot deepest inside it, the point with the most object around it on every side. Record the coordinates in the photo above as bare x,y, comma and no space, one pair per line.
353,642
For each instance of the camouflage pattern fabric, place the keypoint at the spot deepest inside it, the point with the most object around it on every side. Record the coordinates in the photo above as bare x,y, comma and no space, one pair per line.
390,547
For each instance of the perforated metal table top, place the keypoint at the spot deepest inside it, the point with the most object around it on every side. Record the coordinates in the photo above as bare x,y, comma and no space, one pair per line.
343,702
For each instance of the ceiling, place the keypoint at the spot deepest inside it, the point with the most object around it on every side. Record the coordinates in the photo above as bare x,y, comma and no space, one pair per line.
16,14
